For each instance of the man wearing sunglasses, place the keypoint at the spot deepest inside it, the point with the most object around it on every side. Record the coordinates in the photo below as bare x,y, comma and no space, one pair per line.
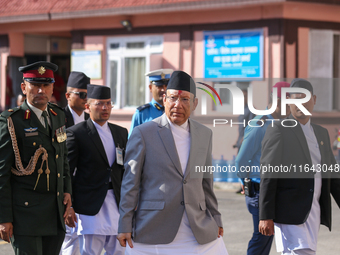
158,82
76,96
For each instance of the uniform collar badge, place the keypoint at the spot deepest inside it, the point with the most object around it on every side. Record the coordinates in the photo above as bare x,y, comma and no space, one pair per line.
27,114
53,112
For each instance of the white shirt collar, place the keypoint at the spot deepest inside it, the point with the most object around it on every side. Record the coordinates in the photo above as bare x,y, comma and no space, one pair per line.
36,110
185,125
105,127
306,126
76,117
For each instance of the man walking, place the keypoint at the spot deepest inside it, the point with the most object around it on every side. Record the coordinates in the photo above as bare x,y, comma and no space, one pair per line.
76,96
297,201
95,154
164,208
35,184
248,158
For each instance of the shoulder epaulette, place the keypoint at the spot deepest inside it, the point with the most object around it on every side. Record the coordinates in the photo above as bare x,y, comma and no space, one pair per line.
142,107
55,105
9,112
263,118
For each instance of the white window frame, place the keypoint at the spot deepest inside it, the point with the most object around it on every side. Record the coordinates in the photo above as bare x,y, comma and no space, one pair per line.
123,52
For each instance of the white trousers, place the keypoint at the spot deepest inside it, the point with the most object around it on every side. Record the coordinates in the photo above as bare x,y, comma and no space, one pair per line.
94,245
215,247
71,243
299,252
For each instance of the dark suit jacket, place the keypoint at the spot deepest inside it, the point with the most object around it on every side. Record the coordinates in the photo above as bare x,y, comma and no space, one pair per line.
33,212
89,167
289,200
69,118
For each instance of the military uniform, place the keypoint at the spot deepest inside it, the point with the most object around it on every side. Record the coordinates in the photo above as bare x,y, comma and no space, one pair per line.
33,202
33,212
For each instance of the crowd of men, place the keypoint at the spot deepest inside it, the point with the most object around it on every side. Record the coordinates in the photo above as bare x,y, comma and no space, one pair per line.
138,195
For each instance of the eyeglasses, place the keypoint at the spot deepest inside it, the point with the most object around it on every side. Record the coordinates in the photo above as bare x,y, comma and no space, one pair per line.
82,95
184,100
108,105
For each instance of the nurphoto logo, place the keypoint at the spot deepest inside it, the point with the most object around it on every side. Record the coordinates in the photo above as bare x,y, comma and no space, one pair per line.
238,100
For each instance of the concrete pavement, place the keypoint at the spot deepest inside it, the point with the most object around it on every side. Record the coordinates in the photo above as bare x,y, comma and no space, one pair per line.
237,223
238,226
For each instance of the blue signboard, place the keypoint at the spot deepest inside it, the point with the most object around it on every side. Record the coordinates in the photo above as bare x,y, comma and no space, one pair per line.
236,54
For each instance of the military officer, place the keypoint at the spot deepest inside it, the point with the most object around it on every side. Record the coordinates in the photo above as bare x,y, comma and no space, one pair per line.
35,184
158,82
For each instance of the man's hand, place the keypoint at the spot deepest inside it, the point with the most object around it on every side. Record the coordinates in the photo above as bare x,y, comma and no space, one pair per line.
6,231
220,232
71,218
68,203
123,237
266,227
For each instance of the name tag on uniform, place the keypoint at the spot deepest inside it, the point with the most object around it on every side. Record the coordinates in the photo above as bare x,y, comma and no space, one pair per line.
61,134
31,131
119,156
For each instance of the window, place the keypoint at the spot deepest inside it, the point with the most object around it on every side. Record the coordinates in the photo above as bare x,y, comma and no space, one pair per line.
226,96
134,76
113,80
336,72
135,45
324,68
114,46
128,61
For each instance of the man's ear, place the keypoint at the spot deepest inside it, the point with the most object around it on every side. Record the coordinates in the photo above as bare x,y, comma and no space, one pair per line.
278,103
87,106
164,99
23,88
195,104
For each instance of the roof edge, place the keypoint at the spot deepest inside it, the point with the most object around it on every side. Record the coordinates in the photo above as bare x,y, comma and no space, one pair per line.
24,18
159,8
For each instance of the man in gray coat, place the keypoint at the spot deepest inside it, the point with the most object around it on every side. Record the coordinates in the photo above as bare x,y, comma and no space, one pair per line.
164,208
